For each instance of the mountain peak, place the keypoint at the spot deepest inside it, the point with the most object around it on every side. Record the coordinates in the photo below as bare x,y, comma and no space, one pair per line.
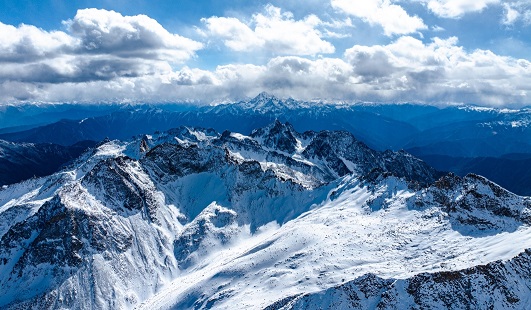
265,99
277,135
274,127
265,102
264,96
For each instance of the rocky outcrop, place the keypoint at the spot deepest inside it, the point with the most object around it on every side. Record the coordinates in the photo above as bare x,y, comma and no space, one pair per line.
498,285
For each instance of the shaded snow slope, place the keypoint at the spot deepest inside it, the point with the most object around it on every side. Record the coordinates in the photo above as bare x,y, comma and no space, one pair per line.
344,238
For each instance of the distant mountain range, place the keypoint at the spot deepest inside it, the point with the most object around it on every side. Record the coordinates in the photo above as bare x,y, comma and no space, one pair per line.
21,161
458,139
271,218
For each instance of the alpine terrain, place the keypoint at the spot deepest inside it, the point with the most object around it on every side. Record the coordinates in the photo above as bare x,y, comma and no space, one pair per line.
193,218
493,142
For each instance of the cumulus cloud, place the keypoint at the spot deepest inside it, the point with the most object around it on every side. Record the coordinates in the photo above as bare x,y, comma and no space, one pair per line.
391,17
236,35
98,45
440,71
108,32
27,43
443,71
273,30
457,8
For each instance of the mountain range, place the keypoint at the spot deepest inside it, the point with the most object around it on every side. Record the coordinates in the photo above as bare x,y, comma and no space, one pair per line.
268,218
461,139
22,161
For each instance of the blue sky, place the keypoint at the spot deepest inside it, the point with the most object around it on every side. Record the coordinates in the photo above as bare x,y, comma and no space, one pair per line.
426,51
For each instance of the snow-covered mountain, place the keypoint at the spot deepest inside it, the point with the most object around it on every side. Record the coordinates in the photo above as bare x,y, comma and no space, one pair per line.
452,131
193,218
486,141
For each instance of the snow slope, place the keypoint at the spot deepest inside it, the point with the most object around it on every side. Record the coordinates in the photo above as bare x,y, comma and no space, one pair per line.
342,239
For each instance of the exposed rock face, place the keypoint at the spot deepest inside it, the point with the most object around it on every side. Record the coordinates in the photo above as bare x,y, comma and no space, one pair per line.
178,161
498,285
53,247
340,153
277,136
72,251
112,180
214,226
476,205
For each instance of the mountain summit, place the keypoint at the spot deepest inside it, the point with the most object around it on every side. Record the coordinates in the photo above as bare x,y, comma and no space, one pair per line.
266,103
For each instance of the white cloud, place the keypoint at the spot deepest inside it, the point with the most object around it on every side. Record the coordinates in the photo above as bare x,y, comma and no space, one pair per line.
98,45
28,43
441,71
438,72
237,35
457,8
511,15
108,32
391,17
274,31
517,11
